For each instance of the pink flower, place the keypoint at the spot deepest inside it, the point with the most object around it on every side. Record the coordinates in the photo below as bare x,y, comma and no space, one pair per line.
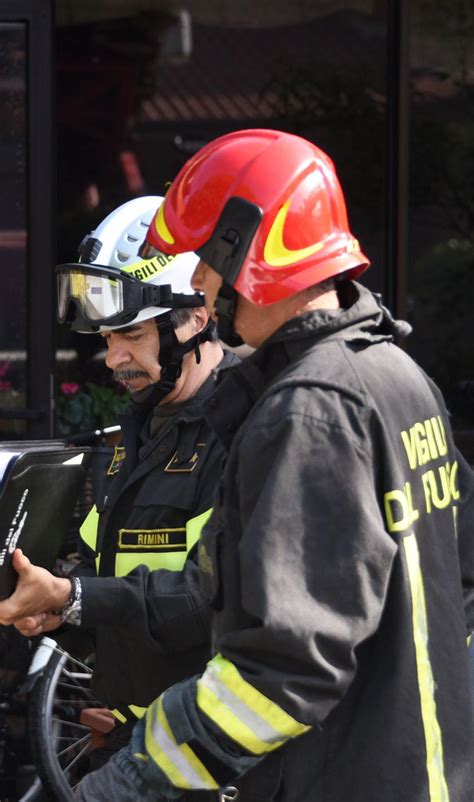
4,368
69,388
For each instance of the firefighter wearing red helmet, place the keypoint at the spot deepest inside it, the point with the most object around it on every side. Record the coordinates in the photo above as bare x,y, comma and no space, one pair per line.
264,210
339,559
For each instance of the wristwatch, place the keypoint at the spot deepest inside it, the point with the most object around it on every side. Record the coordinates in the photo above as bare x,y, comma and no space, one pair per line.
72,610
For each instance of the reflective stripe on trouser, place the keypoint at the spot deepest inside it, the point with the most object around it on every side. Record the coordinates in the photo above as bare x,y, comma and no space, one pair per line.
241,711
178,762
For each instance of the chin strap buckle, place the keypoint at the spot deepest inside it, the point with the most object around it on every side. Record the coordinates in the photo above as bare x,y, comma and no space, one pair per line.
170,376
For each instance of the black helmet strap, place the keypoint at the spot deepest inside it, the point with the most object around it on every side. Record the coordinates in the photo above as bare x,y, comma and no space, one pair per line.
172,352
226,304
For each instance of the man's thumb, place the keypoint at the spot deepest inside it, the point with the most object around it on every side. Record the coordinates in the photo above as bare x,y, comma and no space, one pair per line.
20,561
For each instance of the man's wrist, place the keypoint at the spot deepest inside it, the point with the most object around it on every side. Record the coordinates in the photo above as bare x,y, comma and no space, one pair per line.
62,593
71,610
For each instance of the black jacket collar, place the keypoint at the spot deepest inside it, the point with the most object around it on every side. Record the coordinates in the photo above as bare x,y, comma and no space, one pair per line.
362,316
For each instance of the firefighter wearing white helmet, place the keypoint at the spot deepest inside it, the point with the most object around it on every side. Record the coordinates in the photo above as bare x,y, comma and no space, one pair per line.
111,287
137,586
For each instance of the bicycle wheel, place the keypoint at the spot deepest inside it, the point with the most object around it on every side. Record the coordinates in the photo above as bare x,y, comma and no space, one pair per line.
60,742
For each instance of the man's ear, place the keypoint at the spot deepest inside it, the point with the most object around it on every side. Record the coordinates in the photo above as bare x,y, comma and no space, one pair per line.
200,318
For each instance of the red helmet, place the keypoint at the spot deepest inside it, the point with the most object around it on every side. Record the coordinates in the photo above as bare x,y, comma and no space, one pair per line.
265,210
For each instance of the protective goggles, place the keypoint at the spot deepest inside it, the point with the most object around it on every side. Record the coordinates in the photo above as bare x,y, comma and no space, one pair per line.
91,296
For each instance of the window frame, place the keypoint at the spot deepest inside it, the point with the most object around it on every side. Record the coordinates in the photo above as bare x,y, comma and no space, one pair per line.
41,215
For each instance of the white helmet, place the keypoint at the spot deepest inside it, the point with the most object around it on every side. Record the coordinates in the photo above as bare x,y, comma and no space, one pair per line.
112,286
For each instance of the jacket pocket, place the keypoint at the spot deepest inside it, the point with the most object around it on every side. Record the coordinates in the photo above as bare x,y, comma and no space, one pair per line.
177,491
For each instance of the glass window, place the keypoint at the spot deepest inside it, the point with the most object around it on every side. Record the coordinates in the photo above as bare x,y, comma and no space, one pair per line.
13,238
441,233
321,74
135,100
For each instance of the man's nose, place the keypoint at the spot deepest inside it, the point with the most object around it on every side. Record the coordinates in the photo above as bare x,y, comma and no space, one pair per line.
117,354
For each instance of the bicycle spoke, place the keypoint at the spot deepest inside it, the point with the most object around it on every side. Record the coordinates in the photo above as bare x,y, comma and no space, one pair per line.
77,674
76,688
81,754
71,659
67,702
72,737
73,746
69,723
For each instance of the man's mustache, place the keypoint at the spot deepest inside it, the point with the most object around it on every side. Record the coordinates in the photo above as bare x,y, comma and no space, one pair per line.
126,375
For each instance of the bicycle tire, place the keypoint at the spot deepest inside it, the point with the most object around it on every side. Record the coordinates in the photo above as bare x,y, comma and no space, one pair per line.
59,742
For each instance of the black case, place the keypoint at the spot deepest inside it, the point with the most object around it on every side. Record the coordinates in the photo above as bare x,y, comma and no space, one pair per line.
39,487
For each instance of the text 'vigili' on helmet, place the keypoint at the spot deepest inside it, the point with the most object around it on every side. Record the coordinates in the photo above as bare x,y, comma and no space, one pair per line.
265,210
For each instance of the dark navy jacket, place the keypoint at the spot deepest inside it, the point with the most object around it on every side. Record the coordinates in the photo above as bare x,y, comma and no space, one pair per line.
141,593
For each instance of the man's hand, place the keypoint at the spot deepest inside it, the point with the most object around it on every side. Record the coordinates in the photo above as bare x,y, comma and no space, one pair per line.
37,624
37,593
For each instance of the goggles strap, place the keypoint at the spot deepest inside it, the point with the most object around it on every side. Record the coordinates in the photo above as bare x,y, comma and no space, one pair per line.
163,295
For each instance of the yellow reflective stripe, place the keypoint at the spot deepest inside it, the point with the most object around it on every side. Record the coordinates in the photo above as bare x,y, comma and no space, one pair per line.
433,739
236,729
172,561
272,713
195,526
469,639
125,562
161,226
241,711
88,530
88,533
178,761
138,712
